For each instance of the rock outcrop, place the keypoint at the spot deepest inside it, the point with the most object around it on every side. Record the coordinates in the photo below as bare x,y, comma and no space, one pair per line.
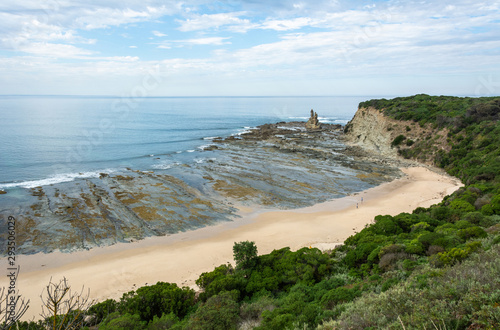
373,131
369,129
313,122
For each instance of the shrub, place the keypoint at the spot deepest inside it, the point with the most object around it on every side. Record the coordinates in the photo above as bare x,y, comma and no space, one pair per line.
434,249
474,217
161,298
253,310
462,205
218,312
441,213
388,284
340,295
454,255
420,226
126,321
414,247
103,309
167,321
472,232
428,239
389,261
397,140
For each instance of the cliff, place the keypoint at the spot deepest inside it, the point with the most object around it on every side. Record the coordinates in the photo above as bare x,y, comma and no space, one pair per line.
372,130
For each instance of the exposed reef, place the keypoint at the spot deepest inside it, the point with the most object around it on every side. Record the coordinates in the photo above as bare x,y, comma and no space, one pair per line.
278,166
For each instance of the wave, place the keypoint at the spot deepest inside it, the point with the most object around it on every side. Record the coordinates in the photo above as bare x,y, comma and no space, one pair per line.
179,129
58,178
157,142
325,120
166,166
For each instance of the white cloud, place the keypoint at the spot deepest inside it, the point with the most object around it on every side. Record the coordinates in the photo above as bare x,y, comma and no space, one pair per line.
207,41
214,41
215,21
99,18
158,34
286,25
305,40
29,24
54,50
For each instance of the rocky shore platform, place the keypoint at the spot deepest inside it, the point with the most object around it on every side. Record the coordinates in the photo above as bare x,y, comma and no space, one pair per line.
274,166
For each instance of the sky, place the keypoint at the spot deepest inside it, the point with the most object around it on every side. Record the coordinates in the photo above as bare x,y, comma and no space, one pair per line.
249,48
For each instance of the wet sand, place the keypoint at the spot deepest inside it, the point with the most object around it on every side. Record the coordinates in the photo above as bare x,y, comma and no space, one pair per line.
181,258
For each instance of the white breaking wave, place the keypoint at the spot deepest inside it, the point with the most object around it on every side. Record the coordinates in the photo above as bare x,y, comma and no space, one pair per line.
206,146
166,166
58,178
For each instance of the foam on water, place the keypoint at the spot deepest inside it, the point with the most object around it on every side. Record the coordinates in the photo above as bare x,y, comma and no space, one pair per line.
58,178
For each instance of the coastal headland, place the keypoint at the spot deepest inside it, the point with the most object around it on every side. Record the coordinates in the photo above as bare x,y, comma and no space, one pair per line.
110,271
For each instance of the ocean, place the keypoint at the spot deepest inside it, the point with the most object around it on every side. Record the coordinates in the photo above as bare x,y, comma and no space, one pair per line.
54,139
82,172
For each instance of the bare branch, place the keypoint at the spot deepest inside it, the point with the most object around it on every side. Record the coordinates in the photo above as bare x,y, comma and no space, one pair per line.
62,308
12,308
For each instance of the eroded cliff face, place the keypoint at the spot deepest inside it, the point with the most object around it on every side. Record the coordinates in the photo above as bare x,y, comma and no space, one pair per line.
371,130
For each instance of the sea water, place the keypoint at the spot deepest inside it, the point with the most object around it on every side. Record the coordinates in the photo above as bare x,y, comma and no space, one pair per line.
52,139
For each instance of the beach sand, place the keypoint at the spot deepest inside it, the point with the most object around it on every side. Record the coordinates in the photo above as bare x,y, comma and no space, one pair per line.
110,271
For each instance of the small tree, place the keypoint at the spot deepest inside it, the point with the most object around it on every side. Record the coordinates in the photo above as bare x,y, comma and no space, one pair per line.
12,308
245,255
63,309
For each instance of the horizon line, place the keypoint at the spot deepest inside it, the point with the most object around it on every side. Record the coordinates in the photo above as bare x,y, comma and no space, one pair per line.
228,96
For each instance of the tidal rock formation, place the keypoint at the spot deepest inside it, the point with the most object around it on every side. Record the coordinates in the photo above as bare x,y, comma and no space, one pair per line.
313,122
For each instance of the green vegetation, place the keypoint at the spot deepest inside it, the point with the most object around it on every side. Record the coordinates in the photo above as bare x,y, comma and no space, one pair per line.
434,268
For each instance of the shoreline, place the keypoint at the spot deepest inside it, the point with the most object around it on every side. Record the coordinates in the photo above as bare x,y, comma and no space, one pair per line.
181,258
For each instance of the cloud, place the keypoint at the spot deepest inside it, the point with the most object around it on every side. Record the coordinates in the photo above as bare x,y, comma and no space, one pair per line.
29,24
286,25
290,41
215,21
207,41
214,41
158,34
54,50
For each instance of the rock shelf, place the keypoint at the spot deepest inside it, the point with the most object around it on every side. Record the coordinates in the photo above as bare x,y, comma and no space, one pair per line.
274,166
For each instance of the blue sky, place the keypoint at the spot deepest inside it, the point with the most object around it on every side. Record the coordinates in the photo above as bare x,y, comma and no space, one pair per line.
255,47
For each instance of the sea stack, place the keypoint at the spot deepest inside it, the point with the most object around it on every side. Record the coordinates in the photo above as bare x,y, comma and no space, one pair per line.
313,122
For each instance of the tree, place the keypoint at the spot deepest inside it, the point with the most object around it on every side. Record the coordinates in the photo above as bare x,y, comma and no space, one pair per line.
245,255
12,308
63,309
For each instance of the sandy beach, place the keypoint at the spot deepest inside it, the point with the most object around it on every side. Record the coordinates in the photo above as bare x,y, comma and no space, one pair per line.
110,271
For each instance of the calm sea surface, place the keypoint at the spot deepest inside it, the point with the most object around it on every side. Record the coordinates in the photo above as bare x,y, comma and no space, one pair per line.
45,140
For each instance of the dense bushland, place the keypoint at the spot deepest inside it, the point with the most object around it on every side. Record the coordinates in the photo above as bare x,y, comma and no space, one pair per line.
435,268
